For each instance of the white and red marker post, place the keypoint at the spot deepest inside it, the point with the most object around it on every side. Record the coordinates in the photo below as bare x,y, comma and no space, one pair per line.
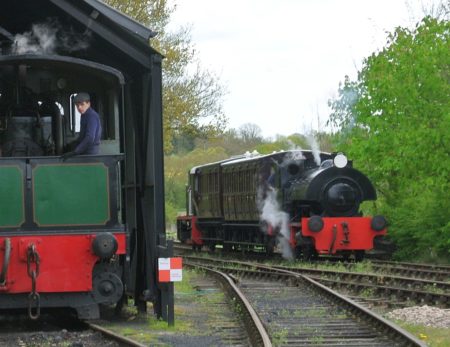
169,271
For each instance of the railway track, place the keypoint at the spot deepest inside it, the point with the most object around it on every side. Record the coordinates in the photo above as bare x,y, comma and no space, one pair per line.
436,273
298,311
403,289
57,329
257,334
381,289
112,336
423,271
406,265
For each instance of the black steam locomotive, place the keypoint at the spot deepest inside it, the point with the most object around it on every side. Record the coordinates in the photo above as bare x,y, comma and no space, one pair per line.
303,202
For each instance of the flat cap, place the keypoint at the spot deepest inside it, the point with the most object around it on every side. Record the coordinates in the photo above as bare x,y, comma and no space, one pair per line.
81,97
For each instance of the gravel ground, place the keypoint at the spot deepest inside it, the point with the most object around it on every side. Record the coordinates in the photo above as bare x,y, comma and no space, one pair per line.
203,317
422,315
17,330
56,339
208,316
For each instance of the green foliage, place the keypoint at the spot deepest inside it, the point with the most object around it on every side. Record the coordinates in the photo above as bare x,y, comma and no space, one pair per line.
176,169
394,123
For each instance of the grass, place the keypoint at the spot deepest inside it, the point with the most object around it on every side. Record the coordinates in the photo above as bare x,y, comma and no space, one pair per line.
433,337
146,327
279,336
367,292
184,286
433,289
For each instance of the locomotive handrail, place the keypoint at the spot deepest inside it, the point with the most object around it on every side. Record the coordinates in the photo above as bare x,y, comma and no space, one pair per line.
5,261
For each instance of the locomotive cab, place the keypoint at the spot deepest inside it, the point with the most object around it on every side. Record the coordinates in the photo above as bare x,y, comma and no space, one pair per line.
90,227
37,113
55,210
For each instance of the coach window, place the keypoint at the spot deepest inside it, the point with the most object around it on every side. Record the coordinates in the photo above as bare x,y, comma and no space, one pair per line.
234,181
238,183
197,184
247,180
224,182
239,173
211,182
216,182
204,184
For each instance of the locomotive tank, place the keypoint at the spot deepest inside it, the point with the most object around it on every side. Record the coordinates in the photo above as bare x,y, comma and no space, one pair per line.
332,191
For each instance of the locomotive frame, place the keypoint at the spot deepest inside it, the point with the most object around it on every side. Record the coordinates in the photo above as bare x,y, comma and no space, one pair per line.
86,231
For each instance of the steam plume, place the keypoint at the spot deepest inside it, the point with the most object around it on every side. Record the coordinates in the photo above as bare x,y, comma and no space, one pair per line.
314,148
49,38
272,214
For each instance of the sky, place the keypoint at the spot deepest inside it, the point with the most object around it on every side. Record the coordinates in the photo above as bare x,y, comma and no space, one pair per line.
282,60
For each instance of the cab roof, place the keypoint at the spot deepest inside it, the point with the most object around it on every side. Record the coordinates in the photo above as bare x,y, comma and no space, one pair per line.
111,34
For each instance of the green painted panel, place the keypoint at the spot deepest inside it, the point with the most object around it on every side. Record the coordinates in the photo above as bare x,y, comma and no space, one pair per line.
71,194
11,196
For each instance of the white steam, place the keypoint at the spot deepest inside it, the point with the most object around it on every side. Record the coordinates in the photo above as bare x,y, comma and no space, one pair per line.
48,38
40,40
294,155
272,214
314,148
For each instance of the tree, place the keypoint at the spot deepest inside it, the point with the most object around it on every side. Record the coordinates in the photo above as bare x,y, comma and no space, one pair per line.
250,133
192,96
394,123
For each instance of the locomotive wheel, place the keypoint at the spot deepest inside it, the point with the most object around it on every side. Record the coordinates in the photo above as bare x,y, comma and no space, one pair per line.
308,252
227,247
359,255
107,288
298,252
270,245
196,247
346,255
305,249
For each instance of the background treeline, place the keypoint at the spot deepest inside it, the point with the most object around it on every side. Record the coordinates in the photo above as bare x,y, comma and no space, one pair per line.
393,120
188,152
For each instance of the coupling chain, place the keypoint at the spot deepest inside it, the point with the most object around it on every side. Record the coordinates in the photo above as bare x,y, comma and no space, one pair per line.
33,272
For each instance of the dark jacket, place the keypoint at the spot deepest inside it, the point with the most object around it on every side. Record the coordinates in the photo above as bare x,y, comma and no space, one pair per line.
90,133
